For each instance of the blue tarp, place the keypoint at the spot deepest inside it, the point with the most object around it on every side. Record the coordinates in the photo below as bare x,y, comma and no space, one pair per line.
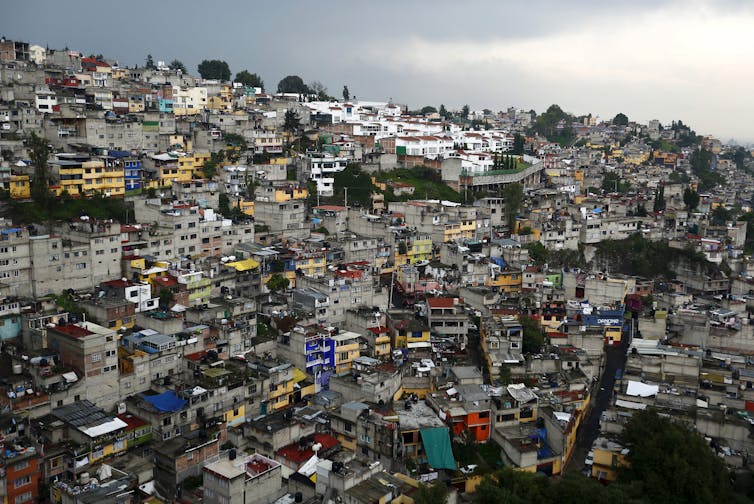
167,401
437,447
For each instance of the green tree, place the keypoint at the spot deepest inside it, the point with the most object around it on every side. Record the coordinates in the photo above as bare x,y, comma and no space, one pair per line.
357,182
720,215
291,120
223,205
465,112
513,196
277,282
555,125
292,84
431,494
214,69
690,199
428,109
150,63
319,89
505,374
533,339
443,112
659,203
537,252
620,119
249,79
39,152
178,65
346,93
166,297
518,144
210,166
658,447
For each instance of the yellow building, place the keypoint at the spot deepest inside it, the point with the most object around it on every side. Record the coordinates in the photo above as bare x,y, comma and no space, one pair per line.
168,171
459,230
412,251
20,187
608,457
194,163
246,207
312,264
222,101
506,281
346,350
410,333
79,177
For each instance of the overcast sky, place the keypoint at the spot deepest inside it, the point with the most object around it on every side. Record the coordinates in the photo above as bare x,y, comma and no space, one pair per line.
689,60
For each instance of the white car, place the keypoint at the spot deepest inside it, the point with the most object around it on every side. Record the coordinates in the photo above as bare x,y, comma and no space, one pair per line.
589,458
469,468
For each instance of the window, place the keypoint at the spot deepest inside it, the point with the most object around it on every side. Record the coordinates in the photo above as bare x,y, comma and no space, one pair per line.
343,355
21,466
96,357
18,483
24,497
348,427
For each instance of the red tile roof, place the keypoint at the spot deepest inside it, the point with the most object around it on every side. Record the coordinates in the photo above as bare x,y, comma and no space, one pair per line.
133,422
443,302
72,330
295,454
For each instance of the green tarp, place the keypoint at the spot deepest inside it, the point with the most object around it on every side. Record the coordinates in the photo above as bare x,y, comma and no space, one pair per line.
437,446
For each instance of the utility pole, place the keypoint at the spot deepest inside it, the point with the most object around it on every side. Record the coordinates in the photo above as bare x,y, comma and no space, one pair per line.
345,190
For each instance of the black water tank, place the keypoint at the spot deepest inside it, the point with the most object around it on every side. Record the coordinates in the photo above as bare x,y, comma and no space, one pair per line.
298,497
232,454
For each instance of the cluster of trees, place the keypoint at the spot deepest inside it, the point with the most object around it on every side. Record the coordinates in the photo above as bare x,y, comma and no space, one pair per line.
638,256
555,125
667,462
702,165
503,162
620,119
612,182
513,196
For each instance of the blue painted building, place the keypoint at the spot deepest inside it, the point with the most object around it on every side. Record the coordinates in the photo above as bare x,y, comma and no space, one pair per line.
10,318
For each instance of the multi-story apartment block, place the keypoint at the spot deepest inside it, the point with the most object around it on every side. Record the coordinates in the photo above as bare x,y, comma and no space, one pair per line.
80,175
448,320
92,350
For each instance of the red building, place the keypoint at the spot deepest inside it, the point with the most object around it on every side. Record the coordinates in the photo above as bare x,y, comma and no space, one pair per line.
22,474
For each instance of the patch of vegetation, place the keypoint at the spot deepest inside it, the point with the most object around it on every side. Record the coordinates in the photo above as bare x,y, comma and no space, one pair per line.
426,181
638,256
555,125
64,207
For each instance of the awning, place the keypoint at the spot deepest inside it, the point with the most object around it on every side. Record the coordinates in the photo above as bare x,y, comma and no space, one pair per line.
437,446
70,377
639,389
245,265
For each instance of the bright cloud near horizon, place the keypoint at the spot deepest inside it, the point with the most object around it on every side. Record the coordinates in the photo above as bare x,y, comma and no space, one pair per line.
648,59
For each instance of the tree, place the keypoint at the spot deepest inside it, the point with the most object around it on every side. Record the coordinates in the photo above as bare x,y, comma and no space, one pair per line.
690,199
178,65
428,109
720,215
150,62
465,112
659,447
620,119
223,205
431,494
292,84
659,204
249,79
537,252
166,297
277,282
555,125
513,196
320,90
346,93
357,182
443,112
532,337
214,69
291,120
39,152
518,144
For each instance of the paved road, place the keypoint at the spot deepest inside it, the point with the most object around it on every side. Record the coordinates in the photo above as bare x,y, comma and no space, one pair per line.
602,394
